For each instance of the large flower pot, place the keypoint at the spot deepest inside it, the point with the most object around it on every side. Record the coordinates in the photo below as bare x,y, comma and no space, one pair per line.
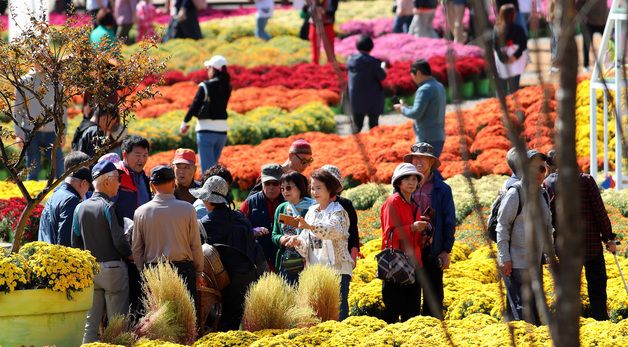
483,87
41,317
468,90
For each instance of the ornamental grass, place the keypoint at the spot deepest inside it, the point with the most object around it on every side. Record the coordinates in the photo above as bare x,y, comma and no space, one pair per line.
170,313
118,331
319,288
270,303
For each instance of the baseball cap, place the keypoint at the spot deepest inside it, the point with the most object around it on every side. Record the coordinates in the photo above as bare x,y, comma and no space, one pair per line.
271,172
83,174
217,62
533,153
161,174
301,146
184,156
103,167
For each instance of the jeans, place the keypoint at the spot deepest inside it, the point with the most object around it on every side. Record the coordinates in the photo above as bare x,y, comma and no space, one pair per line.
431,285
514,298
402,24
42,141
260,29
210,145
595,272
358,121
111,295
345,280
510,85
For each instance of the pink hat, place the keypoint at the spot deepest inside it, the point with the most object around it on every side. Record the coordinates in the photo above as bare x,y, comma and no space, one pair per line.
301,146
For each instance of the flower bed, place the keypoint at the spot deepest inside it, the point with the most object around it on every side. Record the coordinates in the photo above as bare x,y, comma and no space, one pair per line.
404,47
10,211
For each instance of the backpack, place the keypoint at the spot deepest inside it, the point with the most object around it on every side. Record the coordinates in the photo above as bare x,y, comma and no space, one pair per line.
492,219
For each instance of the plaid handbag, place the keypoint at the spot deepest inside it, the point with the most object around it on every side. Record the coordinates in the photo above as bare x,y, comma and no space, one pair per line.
394,265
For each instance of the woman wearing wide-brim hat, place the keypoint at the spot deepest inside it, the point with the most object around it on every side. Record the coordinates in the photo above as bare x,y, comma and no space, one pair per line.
403,229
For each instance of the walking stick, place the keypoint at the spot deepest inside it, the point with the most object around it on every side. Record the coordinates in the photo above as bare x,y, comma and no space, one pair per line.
623,279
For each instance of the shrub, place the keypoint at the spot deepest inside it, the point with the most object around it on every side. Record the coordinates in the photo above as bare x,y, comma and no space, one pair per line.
270,304
119,331
319,287
364,196
170,313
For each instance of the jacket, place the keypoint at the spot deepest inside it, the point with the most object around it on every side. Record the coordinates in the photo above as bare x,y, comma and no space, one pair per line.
232,228
128,197
25,109
428,111
55,224
514,36
256,210
87,136
397,215
210,105
354,234
511,235
365,84
97,228
444,222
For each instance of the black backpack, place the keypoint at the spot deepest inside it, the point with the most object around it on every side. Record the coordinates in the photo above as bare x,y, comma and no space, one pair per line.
492,219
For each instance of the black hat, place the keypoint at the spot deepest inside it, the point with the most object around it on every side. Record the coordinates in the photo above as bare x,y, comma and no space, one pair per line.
161,174
83,174
102,168
533,153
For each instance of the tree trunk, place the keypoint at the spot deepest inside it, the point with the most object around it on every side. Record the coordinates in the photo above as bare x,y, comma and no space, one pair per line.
21,225
570,238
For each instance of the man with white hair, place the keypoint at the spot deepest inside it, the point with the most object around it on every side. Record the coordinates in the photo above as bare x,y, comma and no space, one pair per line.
96,228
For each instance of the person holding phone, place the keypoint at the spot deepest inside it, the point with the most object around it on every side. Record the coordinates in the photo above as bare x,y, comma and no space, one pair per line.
289,262
404,230
434,197
325,234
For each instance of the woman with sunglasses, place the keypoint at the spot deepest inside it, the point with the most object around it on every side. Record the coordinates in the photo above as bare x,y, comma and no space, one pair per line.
325,234
289,262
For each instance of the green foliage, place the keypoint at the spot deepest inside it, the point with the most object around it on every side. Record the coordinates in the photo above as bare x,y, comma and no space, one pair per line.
486,189
364,196
617,198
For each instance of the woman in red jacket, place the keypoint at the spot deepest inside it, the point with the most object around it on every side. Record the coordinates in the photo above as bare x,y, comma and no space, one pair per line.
400,215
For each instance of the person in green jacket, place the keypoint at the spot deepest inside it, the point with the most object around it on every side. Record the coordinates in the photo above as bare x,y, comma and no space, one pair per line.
294,188
104,30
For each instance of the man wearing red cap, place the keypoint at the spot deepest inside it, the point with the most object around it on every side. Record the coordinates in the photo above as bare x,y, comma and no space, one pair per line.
299,158
184,166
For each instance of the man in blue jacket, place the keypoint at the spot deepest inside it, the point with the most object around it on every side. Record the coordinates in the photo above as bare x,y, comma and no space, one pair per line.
434,194
55,225
428,110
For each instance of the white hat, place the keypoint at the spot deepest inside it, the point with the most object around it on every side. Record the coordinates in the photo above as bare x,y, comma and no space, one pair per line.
403,170
334,171
217,62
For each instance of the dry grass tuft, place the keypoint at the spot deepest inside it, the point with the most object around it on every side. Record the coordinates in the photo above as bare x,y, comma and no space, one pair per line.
168,300
119,332
270,304
319,288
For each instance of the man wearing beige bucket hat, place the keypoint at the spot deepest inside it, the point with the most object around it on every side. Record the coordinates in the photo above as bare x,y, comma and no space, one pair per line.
434,197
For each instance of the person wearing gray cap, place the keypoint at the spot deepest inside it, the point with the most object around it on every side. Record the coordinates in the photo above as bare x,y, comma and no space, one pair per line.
55,224
243,258
512,242
260,209
167,228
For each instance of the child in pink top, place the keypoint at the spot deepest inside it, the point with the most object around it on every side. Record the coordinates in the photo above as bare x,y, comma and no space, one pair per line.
146,14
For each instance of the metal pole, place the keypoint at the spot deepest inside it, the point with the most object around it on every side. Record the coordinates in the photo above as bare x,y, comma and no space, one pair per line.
593,131
606,159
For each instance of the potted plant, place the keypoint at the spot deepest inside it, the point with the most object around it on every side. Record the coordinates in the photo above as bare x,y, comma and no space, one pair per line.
45,293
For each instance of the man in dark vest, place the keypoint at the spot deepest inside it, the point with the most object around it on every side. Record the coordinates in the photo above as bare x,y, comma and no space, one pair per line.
260,208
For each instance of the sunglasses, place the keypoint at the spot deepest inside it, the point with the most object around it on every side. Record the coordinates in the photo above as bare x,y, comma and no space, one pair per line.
422,148
286,188
272,183
307,161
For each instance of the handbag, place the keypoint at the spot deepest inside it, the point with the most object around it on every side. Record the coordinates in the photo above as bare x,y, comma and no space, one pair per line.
394,266
292,262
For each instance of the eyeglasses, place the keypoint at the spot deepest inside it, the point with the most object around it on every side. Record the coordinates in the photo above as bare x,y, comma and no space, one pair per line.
307,161
422,148
286,188
272,183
